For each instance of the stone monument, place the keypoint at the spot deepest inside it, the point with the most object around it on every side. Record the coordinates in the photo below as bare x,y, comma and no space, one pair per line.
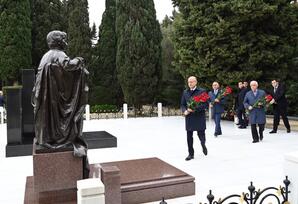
59,150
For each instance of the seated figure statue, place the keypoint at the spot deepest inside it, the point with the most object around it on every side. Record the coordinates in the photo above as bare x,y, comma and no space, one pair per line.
59,98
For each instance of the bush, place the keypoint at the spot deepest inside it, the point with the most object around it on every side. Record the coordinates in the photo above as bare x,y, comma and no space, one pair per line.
104,108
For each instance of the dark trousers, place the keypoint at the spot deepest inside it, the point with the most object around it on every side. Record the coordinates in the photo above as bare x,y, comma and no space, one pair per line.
255,135
283,114
217,117
202,138
242,117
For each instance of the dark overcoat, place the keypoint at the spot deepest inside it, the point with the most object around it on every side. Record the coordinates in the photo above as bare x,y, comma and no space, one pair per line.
195,121
217,108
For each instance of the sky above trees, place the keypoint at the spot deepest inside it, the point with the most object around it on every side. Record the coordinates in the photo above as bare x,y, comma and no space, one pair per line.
97,7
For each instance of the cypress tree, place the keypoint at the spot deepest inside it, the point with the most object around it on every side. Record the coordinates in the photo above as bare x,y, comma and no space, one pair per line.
93,32
47,15
234,40
15,38
106,89
172,82
79,33
138,50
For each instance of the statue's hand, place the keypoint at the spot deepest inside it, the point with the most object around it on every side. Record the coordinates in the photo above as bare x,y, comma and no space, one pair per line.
81,59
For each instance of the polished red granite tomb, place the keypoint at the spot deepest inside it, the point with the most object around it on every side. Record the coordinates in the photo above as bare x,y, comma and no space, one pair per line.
145,180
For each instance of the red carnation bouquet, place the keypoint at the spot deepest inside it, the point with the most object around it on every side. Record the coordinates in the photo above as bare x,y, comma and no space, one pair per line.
195,101
265,100
226,91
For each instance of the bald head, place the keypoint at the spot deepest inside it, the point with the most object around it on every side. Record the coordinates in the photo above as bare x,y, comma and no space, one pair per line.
254,85
192,82
215,85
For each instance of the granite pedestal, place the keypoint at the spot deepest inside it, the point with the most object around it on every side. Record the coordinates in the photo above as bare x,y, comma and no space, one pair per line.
55,177
146,180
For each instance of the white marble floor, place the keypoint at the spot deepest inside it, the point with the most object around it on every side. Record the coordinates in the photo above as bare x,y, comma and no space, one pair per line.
232,162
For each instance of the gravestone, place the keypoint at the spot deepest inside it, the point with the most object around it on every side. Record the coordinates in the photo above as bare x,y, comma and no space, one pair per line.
28,79
14,111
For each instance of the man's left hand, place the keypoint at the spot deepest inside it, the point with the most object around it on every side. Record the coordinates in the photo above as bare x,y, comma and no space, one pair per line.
189,110
216,100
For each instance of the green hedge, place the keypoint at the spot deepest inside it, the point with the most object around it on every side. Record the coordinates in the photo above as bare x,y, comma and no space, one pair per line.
104,108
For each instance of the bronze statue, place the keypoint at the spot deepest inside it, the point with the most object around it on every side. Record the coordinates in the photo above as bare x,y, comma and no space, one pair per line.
59,98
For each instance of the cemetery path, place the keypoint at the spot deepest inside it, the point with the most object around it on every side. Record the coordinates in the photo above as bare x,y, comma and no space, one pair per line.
232,160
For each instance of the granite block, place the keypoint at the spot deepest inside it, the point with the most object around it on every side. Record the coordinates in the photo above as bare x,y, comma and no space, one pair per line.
56,171
110,176
55,197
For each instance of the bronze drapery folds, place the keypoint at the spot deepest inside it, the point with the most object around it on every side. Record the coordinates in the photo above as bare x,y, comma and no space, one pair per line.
59,98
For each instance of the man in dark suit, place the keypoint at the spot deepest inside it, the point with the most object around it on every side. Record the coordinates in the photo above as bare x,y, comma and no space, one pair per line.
257,114
217,107
247,89
280,105
240,107
1,99
195,120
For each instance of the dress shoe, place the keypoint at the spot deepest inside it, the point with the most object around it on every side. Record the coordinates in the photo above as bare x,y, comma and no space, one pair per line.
189,157
255,141
215,134
288,130
205,151
272,131
242,127
261,137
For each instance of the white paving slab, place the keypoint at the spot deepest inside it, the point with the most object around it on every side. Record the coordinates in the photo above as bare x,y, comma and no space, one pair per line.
232,162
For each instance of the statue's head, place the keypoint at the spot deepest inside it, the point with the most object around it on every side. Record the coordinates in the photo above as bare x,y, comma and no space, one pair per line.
57,40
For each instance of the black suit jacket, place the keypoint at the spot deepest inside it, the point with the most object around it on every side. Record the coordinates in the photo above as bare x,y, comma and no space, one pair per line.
279,97
240,98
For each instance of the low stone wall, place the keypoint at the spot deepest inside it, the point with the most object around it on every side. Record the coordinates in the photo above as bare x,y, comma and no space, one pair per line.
292,120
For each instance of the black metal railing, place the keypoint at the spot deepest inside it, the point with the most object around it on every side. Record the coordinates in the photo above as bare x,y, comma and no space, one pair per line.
279,195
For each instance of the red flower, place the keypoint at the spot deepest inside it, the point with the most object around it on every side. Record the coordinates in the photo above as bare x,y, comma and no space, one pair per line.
223,93
228,91
265,100
197,100
268,98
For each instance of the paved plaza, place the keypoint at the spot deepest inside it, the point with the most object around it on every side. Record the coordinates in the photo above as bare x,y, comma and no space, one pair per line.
232,160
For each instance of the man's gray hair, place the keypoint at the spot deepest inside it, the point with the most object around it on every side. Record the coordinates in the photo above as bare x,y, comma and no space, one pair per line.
254,82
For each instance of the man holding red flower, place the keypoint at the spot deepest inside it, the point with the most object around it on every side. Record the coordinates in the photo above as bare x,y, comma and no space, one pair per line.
255,102
217,106
194,102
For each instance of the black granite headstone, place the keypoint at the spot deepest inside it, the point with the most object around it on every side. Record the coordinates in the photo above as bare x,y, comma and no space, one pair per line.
14,115
28,78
